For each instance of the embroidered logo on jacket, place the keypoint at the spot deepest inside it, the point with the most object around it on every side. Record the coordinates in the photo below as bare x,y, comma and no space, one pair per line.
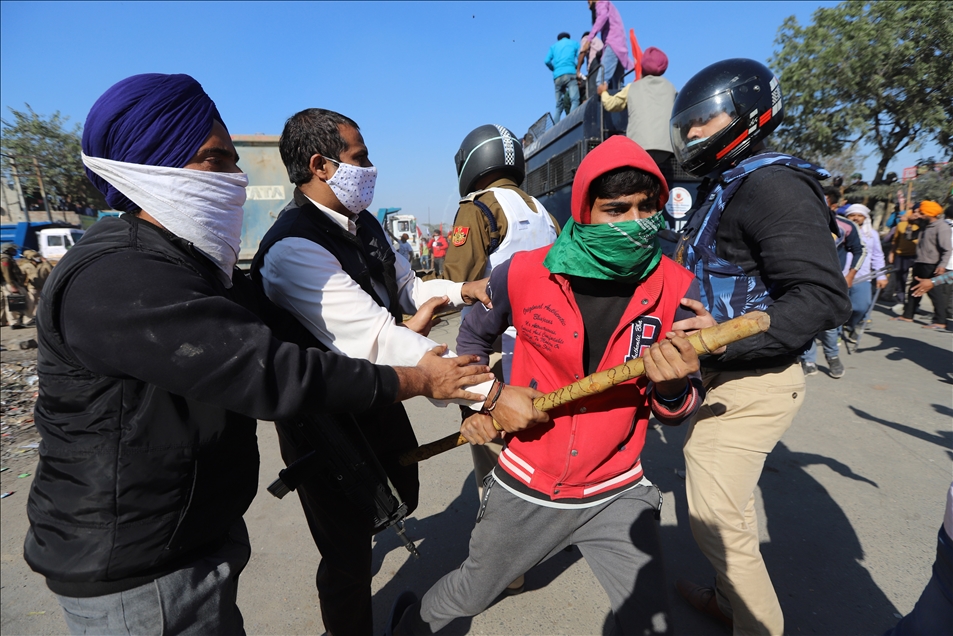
645,332
459,236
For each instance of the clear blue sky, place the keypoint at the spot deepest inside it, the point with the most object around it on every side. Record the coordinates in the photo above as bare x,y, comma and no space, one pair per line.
415,76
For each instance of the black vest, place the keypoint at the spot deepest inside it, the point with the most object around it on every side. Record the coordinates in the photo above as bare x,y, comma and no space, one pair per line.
133,480
366,257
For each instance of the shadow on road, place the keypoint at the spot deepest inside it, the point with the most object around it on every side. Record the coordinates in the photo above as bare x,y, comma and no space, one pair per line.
943,410
814,555
942,438
443,541
928,356
649,603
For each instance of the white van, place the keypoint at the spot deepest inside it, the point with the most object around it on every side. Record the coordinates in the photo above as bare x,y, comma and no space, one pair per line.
54,242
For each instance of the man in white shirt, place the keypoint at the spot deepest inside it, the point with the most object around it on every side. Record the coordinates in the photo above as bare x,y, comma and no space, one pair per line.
328,263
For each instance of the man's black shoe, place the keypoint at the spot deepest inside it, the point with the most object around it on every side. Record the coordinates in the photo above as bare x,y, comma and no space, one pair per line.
836,367
403,601
703,599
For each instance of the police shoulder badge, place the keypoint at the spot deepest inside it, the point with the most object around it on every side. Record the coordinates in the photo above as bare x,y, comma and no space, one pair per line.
459,235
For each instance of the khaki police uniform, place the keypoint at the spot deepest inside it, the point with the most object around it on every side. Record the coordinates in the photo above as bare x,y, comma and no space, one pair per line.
13,277
470,238
36,270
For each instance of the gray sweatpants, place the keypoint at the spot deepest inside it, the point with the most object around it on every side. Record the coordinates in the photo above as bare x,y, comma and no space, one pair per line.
619,541
197,599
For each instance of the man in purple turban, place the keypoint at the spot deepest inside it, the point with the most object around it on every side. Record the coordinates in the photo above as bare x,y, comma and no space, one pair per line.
154,367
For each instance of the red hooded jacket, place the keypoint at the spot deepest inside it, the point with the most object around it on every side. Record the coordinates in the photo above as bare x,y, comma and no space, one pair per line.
592,446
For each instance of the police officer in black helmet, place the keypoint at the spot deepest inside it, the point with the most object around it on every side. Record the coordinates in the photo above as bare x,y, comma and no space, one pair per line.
759,241
490,167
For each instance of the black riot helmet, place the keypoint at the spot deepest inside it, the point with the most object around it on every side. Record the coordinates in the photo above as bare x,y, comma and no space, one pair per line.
744,94
487,149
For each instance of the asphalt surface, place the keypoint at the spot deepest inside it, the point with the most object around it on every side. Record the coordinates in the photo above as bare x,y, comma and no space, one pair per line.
850,502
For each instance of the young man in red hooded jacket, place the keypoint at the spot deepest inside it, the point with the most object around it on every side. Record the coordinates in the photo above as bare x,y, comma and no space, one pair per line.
600,295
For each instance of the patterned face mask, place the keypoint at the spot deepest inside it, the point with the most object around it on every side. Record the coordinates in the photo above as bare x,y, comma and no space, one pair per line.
353,185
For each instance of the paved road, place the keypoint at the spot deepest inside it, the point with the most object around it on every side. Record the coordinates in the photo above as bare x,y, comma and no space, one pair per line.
851,500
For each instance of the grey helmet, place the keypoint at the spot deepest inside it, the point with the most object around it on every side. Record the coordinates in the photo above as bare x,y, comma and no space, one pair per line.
486,149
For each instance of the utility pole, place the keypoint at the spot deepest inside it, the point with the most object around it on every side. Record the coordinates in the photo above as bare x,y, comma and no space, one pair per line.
16,182
46,202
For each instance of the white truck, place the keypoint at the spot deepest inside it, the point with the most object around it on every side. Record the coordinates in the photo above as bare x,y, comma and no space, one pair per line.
395,225
53,242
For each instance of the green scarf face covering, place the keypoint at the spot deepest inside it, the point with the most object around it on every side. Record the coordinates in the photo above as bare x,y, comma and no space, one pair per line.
627,251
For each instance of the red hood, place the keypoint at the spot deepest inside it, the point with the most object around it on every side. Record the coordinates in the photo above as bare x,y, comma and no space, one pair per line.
615,152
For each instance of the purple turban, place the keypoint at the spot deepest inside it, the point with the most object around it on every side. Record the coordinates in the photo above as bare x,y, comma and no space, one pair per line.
654,62
151,119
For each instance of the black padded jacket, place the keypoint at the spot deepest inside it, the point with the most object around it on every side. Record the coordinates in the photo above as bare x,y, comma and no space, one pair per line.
152,374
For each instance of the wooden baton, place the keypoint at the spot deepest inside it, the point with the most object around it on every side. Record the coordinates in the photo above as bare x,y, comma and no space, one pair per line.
704,341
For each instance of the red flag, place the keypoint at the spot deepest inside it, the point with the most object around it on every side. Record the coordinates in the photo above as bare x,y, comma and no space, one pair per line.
636,53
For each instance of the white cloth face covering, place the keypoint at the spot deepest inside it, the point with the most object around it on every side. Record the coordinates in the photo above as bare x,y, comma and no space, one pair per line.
353,185
202,207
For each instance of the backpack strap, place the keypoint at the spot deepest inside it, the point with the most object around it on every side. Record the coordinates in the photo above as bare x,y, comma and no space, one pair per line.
731,180
494,228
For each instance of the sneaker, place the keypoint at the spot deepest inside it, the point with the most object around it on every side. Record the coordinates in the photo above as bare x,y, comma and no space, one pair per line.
836,368
809,368
849,335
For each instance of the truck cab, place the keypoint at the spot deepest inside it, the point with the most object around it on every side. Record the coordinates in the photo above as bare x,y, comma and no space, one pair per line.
395,225
54,242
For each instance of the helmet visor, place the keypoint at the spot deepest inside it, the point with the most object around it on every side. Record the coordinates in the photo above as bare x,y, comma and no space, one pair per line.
696,125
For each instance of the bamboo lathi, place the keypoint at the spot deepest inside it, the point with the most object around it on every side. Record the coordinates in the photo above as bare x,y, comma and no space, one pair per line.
704,341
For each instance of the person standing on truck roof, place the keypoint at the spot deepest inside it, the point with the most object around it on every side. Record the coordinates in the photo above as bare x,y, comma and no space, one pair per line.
590,52
329,266
607,23
15,290
560,60
155,367
649,101
760,241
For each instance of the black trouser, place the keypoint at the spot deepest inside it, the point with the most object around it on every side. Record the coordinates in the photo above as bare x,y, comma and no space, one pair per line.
340,529
939,295
901,266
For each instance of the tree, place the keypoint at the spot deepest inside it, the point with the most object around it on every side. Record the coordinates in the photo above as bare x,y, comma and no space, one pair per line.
877,73
57,150
845,162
